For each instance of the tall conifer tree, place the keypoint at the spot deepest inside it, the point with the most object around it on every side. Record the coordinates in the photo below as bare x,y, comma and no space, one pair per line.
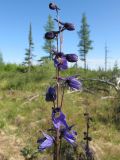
49,44
29,51
85,42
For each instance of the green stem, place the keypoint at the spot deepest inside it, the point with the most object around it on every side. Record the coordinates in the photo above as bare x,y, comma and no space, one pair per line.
54,104
60,147
57,140
57,132
57,87
62,97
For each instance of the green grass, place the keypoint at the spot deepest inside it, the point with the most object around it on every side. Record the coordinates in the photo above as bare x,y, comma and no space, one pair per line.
24,118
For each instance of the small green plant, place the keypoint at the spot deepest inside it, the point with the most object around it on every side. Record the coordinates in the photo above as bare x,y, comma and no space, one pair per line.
28,153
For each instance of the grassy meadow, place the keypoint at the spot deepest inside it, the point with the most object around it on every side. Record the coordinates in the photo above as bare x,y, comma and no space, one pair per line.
24,111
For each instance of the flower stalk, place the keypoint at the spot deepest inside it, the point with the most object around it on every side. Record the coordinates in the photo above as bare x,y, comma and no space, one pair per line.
61,128
87,137
62,98
57,141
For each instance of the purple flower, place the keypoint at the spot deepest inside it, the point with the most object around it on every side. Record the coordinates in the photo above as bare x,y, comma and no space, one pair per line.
57,54
68,26
53,6
51,35
69,135
58,118
60,63
71,57
72,82
51,94
45,142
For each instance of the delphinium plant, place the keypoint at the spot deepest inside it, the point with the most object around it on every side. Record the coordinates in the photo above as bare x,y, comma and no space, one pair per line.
61,129
88,153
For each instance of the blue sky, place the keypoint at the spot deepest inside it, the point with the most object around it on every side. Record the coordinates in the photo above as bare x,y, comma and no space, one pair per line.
102,16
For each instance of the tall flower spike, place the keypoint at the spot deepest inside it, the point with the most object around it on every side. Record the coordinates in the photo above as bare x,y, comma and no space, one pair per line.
45,142
68,26
58,118
53,6
51,94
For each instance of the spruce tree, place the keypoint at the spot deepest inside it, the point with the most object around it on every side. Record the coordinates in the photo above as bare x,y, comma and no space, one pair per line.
115,69
1,59
29,51
49,44
85,42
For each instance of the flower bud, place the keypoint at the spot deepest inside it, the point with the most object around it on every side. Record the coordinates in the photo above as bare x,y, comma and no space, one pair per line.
71,57
50,35
51,94
53,6
69,26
